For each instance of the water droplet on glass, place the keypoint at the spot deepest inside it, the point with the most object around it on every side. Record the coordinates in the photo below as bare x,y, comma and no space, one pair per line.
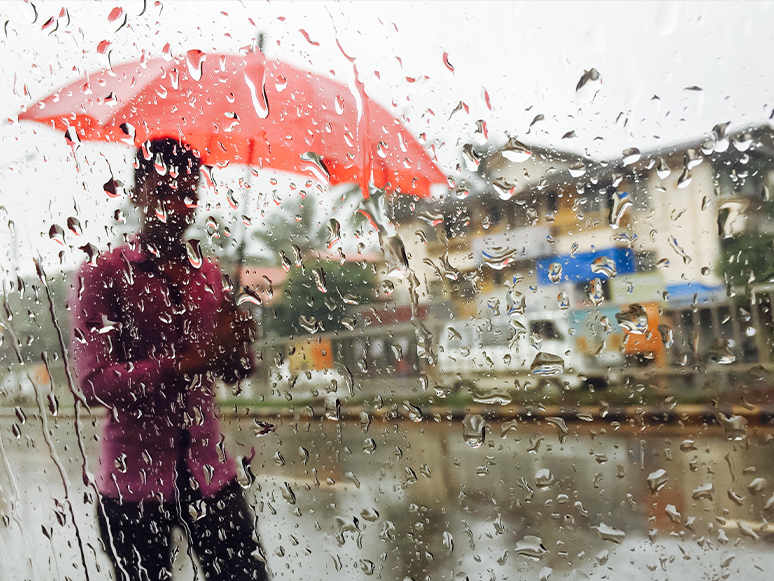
604,265
555,272
543,478
622,201
194,253
631,155
395,255
685,179
734,426
720,351
662,169
261,428
531,547
285,261
596,292
608,533
470,157
414,412
657,480
577,169
473,430
315,165
667,335
633,318
56,233
195,59
515,151
757,485
319,279
334,233
704,491
547,364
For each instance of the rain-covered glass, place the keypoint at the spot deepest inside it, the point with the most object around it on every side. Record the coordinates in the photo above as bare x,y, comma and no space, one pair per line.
417,291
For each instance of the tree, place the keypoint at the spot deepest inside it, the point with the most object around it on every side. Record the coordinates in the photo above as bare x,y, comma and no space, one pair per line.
305,308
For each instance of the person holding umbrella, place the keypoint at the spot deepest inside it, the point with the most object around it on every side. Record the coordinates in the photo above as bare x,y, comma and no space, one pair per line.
152,329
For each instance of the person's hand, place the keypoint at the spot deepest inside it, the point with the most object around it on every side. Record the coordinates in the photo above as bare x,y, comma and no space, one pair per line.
229,349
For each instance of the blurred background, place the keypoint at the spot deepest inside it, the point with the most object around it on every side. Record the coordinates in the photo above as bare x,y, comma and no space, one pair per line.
555,364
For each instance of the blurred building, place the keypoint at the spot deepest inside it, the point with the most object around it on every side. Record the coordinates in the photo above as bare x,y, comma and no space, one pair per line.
684,231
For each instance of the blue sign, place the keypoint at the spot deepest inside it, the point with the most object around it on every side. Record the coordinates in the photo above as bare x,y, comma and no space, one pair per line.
586,266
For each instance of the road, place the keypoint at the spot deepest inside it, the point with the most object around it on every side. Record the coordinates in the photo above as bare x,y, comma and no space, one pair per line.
404,499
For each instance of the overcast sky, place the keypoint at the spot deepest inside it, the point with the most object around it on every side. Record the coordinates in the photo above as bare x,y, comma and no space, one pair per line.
669,72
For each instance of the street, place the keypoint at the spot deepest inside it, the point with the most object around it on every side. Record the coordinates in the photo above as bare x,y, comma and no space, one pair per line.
416,500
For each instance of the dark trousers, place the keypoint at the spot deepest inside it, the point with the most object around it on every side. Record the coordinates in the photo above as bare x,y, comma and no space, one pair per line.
137,535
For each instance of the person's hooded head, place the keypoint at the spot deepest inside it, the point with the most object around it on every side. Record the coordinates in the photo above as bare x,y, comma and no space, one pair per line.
166,178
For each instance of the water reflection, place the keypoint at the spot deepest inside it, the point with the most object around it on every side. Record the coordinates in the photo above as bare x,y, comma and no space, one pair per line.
402,499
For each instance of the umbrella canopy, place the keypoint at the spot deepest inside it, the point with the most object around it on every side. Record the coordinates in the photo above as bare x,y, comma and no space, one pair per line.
246,110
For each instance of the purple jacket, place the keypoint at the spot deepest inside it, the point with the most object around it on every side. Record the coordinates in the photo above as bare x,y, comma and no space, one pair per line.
128,324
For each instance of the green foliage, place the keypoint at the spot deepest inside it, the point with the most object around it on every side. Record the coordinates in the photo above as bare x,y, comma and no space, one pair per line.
749,257
302,297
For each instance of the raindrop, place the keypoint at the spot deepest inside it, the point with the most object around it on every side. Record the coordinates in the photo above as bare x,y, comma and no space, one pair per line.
334,233
544,479
577,169
604,265
473,430
446,62
130,132
231,199
285,261
448,542
314,164
531,547
622,201
195,59
662,169
414,412
516,303
471,158
547,364
720,137
194,253
757,485
504,188
608,533
319,279
667,335
56,233
332,407
395,255
369,446
160,165
596,292
515,151
115,14
685,179
555,272
679,250
288,494
631,155
657,480
590,75
705,491
720,352
261,428
633,318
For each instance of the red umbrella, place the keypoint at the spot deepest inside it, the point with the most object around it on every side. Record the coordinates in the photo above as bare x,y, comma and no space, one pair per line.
247,110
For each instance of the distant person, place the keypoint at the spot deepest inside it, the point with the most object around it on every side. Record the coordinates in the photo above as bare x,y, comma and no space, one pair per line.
151,332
